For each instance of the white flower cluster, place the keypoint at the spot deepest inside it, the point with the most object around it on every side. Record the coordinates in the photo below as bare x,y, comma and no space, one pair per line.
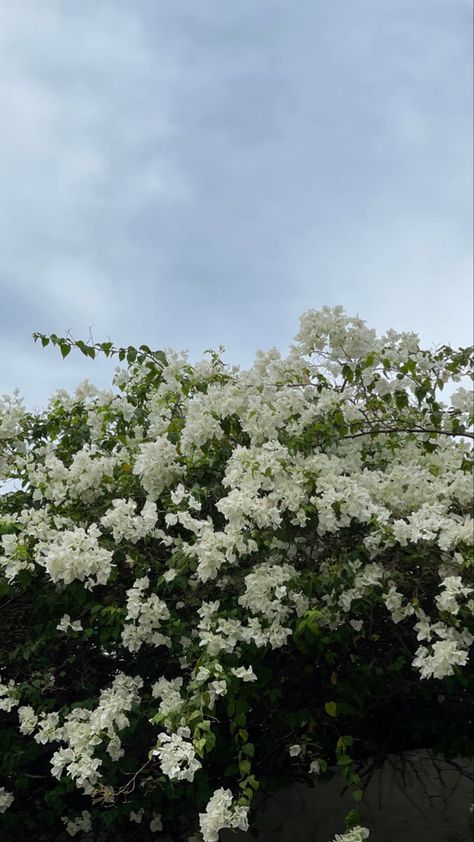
264,483
169,693
8,696
344,336
453,589
222,813
83,730
219,634
52,480
366,578
147,615
77,554
245,673
396,604
212,682
28,719
83,822
124,523
47,723
443,655
157,467
13,560
176,755
12,410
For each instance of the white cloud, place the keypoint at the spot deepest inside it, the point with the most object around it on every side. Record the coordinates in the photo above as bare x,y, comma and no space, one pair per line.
188,174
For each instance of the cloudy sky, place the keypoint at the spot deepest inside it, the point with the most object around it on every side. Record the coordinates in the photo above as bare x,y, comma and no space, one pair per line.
188,173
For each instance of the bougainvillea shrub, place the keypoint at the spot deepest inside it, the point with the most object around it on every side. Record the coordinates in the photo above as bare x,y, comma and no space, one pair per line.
214,581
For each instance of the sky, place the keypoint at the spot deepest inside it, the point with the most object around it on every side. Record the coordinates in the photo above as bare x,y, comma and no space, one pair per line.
189,174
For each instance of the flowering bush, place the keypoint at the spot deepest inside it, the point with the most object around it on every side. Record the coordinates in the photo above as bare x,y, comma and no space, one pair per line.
215,580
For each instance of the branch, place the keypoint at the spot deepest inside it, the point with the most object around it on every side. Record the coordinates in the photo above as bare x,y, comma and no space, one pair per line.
407,430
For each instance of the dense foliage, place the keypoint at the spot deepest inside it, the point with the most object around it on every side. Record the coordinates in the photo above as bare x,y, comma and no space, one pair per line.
215,580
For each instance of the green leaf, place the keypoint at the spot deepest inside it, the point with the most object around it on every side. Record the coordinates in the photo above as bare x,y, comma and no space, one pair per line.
161,357
331,709
352,819
244,766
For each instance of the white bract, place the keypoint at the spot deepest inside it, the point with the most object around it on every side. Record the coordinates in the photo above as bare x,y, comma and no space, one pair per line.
294,751
83,822
65,624
8,695
357,834
6,799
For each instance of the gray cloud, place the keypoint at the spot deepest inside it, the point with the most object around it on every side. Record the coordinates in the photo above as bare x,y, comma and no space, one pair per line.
194,174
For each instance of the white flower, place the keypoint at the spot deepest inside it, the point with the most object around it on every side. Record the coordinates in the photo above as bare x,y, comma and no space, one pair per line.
73,826
357,834
6,799
169,692
136,817
65,624
356,624
156,824
12,562
8,696
48,728
424,629
245,673
28,719
219,687
315,767
12,411
294,751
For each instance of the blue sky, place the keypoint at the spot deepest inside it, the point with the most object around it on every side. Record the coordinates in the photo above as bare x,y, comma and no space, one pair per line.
191,174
